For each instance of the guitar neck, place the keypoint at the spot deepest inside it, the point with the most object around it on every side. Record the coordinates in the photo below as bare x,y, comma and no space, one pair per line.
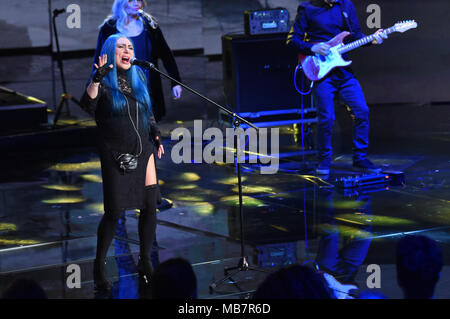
363,41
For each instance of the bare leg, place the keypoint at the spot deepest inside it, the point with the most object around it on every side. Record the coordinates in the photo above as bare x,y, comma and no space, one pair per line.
150,177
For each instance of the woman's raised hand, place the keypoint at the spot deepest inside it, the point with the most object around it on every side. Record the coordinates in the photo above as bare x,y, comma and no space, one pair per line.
102,69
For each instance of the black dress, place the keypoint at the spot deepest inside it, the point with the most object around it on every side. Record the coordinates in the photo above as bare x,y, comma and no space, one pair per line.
116,134
150,46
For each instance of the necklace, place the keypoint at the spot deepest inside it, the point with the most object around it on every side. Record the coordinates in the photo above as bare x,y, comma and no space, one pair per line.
122,80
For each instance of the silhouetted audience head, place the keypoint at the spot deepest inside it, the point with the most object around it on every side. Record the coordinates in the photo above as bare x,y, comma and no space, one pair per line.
24,289
174,279
293,282
419,265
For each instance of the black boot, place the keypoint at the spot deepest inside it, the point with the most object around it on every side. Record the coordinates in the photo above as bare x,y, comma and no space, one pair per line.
100,281
145,269
147,228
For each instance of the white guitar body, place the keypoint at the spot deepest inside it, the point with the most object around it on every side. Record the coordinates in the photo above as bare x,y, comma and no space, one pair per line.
326,63
316,67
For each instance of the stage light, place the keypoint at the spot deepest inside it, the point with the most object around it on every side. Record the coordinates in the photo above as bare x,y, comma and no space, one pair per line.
254,189
185,187
437,217
376,220
93,178
87,123
64,200
230,180
76,167
96,207
64,122
186,197
220,163
35,100
203,208
7,227
19,242
65,188
315,180
351,220
345,231
391,221
246,201
189,177
343,204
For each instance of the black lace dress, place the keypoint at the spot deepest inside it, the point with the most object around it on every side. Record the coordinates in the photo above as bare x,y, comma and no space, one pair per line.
118,134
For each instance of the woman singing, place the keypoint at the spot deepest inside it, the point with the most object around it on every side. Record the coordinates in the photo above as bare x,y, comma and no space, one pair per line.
118,98
128,18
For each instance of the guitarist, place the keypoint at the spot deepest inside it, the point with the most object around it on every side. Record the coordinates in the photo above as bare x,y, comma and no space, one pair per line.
317,22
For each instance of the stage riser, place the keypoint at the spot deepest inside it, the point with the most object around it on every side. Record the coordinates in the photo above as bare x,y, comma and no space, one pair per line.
22,117
48,140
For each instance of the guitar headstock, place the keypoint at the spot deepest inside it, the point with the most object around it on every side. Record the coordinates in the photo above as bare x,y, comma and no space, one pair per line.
404,26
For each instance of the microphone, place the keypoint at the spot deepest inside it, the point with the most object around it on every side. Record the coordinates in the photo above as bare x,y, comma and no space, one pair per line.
142,63
147,18
142,13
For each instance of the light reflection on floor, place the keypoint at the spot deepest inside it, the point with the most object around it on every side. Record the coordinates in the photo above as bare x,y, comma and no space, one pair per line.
50,221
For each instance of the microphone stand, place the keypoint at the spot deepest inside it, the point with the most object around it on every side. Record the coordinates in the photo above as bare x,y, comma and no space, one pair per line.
240,120
64,96
237,121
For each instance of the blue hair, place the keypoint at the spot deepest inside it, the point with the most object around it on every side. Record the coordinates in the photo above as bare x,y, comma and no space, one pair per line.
135,75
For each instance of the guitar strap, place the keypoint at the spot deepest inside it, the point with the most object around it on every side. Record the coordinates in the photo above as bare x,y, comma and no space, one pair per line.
345,16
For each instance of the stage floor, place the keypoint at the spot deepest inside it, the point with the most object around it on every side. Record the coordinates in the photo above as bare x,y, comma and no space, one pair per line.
51,204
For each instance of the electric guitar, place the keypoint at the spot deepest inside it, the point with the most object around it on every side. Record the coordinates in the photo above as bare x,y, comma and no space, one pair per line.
317,66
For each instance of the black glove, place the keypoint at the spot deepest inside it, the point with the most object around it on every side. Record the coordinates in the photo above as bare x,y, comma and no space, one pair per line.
158,142
155,132
101,73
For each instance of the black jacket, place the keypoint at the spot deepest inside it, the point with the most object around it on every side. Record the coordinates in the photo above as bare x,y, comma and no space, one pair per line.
320,23
160,50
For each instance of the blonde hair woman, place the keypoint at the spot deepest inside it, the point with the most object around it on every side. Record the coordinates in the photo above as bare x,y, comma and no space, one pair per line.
129,18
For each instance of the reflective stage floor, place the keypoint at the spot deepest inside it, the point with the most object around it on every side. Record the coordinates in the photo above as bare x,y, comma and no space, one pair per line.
51,204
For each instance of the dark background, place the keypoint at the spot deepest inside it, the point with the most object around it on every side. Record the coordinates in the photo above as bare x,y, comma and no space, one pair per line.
408,68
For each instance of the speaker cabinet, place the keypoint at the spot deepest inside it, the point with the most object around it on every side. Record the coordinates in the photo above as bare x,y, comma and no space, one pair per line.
258,74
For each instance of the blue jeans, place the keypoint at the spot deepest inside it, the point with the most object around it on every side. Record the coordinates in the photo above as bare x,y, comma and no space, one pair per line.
342,84
343,262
